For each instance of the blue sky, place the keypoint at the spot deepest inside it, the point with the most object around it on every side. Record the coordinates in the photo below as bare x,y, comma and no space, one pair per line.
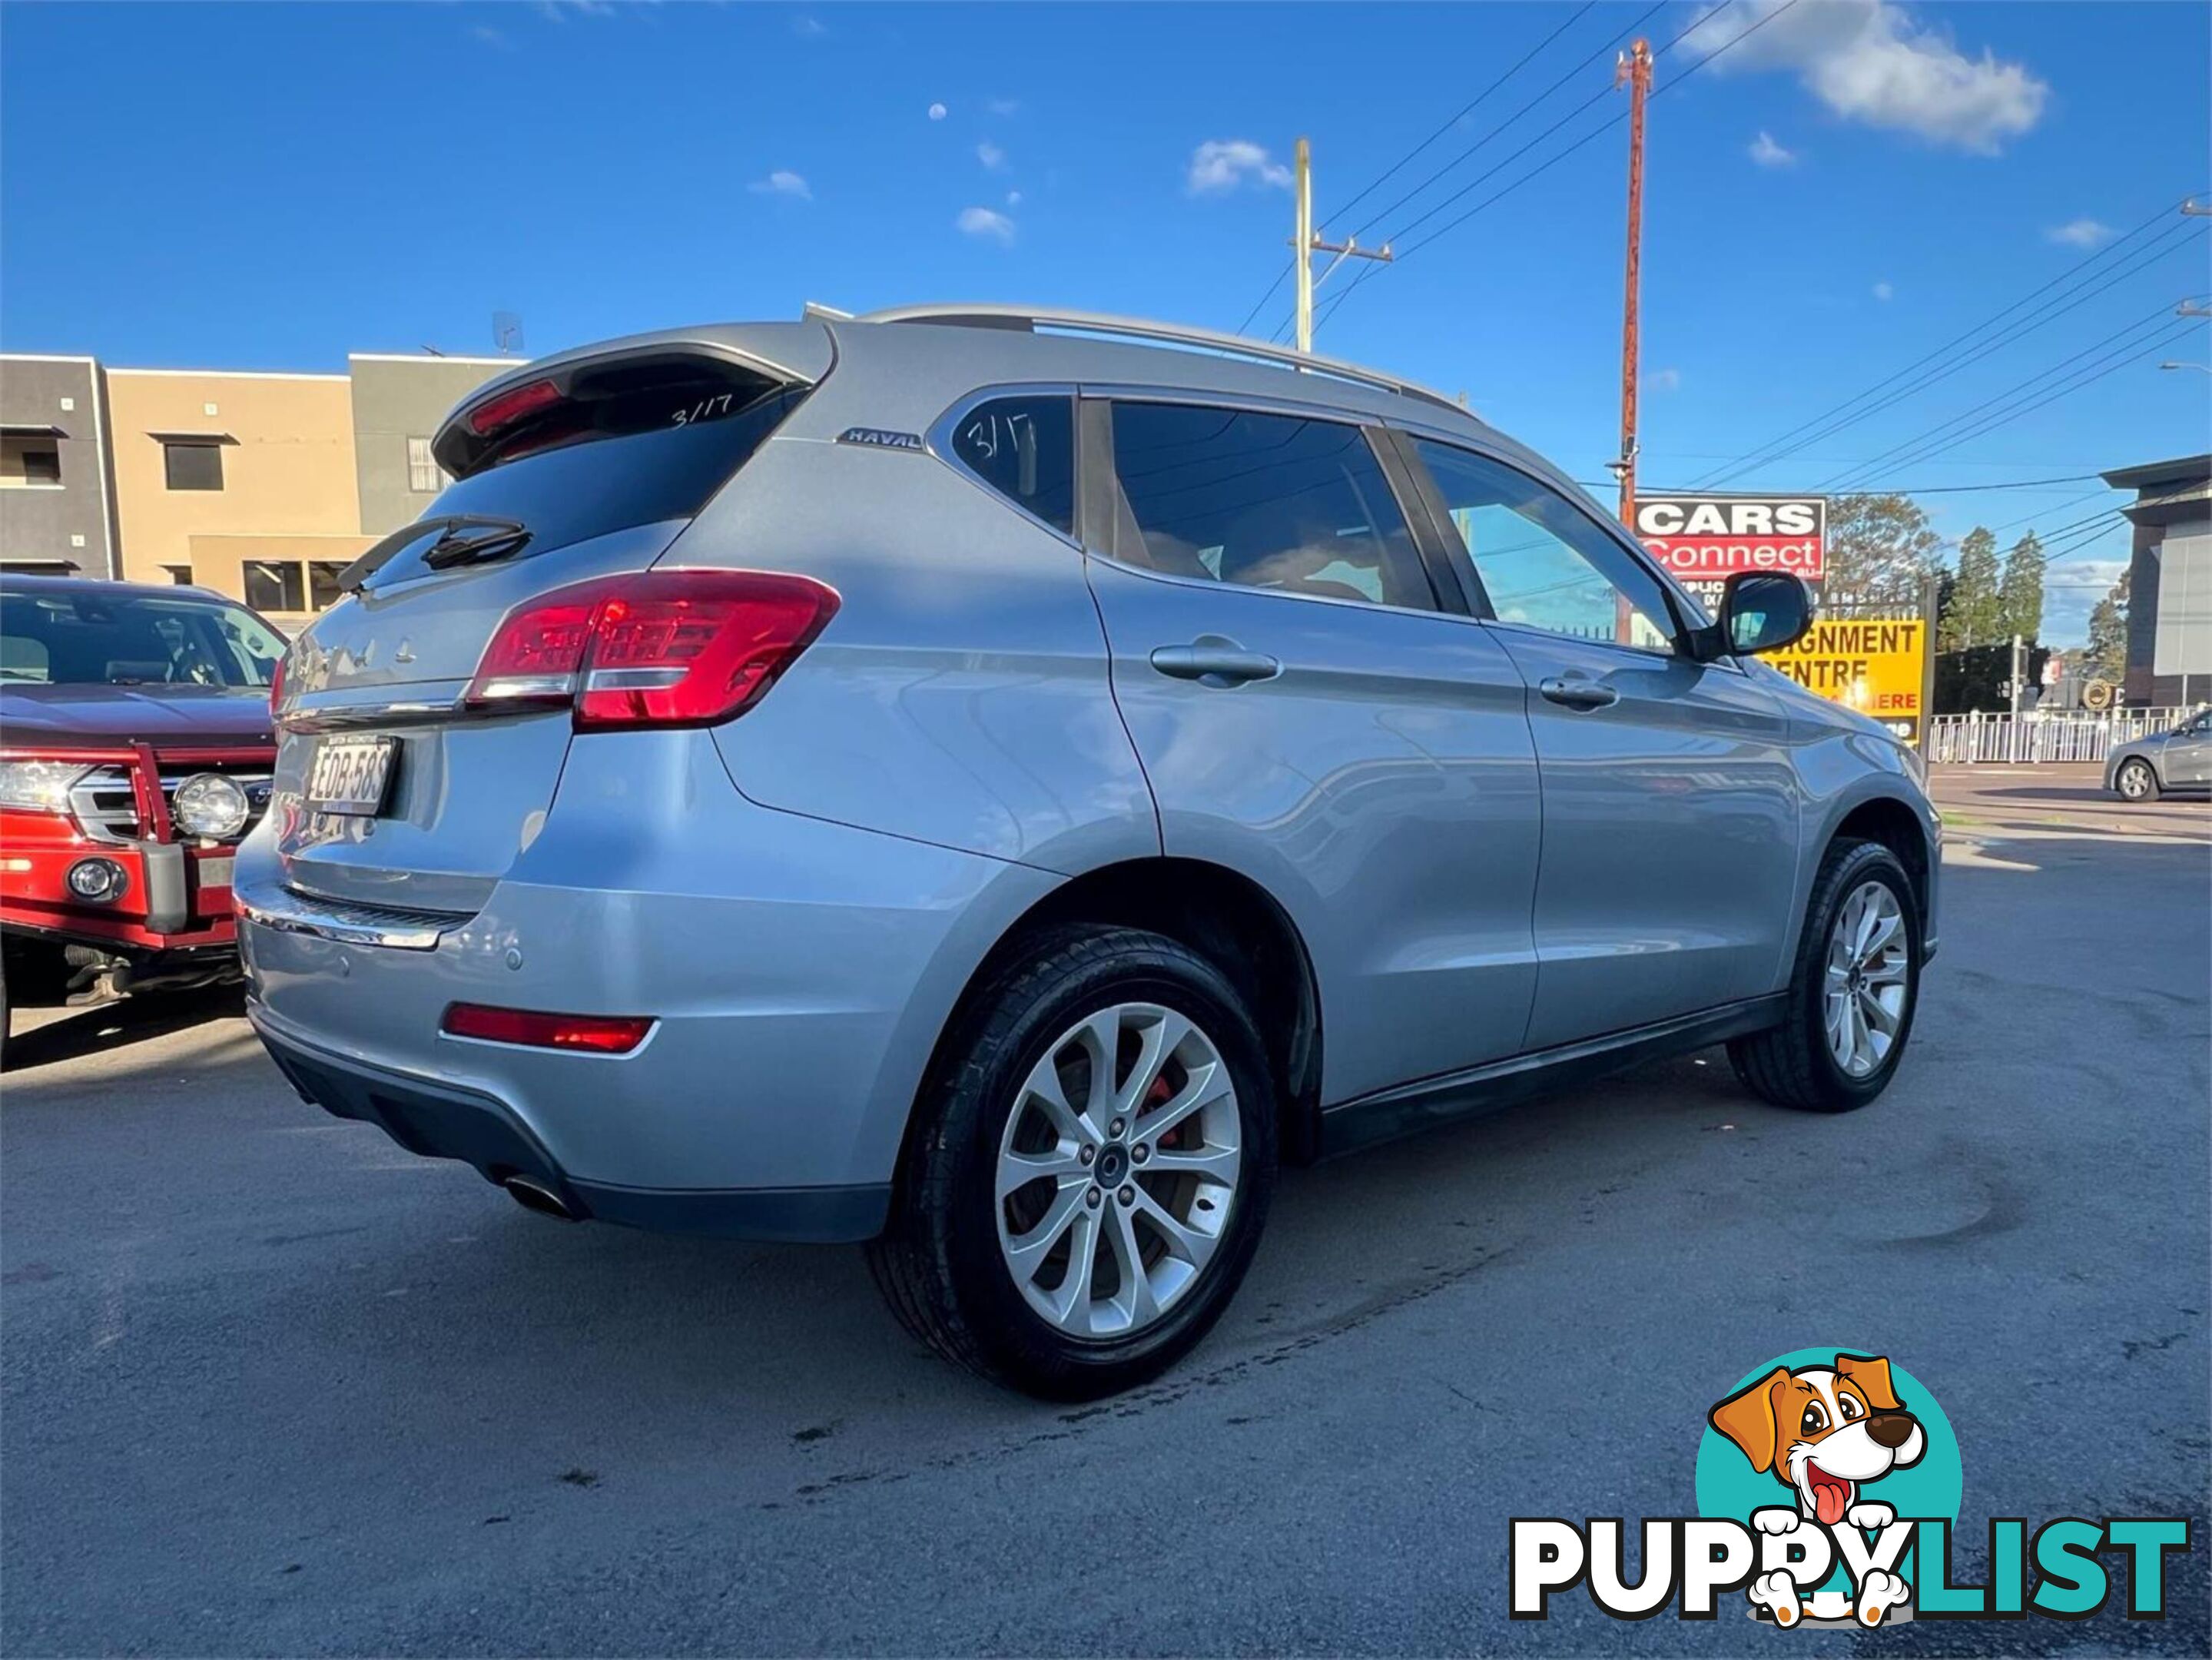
1848,188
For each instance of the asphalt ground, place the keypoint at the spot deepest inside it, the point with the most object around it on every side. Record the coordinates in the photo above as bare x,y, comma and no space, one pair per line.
269,1385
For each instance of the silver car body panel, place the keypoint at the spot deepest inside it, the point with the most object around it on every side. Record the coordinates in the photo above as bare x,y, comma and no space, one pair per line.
800,896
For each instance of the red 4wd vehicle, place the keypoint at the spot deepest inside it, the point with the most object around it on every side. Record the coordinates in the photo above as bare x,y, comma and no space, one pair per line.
135,753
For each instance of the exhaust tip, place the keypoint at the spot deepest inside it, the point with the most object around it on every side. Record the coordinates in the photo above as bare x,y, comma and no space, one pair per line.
530,1195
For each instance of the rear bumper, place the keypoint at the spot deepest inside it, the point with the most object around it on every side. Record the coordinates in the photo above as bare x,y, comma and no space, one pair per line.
797,974
437,1120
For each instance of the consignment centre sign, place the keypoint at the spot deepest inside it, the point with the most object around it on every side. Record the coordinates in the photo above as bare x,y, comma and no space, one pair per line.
1877,665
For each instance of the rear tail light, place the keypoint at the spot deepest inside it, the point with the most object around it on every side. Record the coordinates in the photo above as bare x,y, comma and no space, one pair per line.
599,1034
662,648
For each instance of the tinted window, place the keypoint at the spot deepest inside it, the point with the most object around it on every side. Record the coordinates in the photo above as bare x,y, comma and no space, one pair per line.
112,639
1265,501
1543,561
615,463
193,466
1024,449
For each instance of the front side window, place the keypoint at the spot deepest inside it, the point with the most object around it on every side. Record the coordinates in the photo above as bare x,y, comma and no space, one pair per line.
1024,449
1276,502
192,465
1543,563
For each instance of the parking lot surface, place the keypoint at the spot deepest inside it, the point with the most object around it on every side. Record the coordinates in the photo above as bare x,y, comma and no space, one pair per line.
271,1385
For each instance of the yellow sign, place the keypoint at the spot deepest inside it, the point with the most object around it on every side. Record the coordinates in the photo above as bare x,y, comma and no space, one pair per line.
1876,666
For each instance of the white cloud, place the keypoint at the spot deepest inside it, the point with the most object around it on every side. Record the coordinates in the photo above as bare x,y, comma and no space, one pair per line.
1883,291
783,182
2082,233
1003,106
1768,154
560,10
985,223
807,27
990,156
2071,589
1220,164
1013,199
492,37
1873,61
937,111
1666,380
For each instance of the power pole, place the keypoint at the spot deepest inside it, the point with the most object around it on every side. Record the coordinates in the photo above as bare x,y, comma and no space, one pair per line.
1635,68
1308,242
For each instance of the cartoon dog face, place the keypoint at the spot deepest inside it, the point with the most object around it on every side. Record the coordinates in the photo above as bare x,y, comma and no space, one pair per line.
1825,1433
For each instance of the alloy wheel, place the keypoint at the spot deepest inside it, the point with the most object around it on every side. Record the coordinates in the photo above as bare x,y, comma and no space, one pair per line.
1117,1170
1866,979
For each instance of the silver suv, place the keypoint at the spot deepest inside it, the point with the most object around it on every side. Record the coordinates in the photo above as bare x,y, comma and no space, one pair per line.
977,782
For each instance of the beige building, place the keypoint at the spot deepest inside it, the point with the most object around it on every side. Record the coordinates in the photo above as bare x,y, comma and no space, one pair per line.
266,486
241,483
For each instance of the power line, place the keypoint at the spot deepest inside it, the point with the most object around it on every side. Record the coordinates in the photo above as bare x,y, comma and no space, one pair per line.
2046,314
1460,114
2064,391
1762,453
1492,170
2159,318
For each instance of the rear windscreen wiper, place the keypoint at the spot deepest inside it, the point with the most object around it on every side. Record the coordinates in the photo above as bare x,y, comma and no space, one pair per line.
453,549
495,540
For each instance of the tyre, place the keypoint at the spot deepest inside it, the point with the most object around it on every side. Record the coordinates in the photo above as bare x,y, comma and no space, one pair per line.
1090,1168
2136,780
1853,991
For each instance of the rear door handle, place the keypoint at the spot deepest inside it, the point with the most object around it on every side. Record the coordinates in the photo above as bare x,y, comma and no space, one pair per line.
1213,661
1578,693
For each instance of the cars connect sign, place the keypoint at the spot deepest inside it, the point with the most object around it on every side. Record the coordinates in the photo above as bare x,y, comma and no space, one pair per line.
1705,538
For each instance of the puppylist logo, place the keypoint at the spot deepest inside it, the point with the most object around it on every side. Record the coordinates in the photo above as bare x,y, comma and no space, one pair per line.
1828,1483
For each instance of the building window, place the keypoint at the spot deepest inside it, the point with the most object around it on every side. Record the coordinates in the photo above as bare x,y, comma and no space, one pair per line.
179,574
30,461
192,463
424,476
323,581
274,585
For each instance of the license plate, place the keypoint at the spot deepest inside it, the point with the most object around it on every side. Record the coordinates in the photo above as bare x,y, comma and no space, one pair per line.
350,774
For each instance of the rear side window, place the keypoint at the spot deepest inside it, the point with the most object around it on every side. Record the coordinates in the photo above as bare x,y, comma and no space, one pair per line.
1024,449
640,459
1275,501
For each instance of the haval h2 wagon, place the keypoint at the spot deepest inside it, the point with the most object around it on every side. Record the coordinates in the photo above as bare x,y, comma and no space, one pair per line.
995,784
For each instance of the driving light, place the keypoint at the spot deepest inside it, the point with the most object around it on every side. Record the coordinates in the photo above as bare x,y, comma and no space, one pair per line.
98,881
208,804
38,785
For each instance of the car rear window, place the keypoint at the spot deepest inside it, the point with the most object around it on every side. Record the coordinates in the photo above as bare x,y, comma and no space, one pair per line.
606,464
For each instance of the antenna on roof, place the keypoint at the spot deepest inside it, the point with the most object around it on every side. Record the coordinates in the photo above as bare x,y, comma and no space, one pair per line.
506,331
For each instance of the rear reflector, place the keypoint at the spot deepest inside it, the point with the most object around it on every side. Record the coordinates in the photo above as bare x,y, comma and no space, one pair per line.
661,648
599,1034
510,407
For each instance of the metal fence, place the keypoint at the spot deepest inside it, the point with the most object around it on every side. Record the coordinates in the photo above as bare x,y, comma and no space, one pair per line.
2061,735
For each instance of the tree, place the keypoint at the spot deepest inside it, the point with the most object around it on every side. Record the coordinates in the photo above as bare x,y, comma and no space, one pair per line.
2107,651
1975,616
1879,548
2019,596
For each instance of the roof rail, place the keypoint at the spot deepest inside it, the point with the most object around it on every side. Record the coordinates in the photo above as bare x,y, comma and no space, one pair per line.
1137,328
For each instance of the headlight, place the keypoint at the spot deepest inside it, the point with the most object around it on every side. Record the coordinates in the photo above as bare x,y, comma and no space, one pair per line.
208,804
38,785
1916,763
98,881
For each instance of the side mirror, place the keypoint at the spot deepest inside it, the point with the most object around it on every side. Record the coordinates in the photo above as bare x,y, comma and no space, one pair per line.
1764,611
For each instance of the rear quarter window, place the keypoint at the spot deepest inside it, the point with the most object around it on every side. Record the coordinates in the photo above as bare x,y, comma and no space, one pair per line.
1024,449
